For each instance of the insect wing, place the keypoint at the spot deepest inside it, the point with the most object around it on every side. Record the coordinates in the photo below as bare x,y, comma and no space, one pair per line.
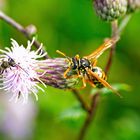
102,48
103,82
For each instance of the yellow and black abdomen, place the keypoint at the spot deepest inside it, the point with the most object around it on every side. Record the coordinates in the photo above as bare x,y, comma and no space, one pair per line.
101,74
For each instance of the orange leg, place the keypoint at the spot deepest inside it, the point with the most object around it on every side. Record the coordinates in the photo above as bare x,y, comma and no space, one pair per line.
65,73
73,76
83,80
76,76
84,83
91,83
103,82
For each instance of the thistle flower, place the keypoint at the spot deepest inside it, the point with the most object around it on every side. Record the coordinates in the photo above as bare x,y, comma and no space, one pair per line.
51,73
21,71
110,10
20,78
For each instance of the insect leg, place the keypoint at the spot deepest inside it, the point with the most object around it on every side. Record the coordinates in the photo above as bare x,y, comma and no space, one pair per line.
84,83
91,83
65,73
104,82
77,75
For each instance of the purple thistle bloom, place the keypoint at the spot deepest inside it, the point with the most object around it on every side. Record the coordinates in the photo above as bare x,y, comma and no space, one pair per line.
51,73
18,79
21,70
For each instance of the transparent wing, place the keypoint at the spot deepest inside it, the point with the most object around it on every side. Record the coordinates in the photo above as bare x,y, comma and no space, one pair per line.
94,55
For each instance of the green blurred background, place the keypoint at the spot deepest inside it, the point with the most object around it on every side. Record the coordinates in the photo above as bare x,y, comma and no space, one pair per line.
73,27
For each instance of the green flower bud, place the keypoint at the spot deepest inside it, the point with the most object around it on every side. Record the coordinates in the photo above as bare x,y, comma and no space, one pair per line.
133,5
110,10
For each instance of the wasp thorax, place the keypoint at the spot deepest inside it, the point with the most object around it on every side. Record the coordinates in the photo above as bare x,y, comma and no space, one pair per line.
84,63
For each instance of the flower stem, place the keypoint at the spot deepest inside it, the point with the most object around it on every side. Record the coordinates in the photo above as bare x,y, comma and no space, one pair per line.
84,105
89,117
116,31
112,51
20,28
124,23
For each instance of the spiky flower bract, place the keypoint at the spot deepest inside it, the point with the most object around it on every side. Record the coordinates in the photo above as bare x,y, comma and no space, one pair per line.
51,72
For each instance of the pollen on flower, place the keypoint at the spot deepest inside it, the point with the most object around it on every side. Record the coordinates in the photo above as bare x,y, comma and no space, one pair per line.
18,66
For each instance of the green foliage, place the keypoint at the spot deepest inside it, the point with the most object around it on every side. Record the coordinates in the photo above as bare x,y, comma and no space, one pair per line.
73,27
72,116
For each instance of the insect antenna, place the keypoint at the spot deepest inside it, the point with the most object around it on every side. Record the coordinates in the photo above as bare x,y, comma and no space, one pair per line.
63,55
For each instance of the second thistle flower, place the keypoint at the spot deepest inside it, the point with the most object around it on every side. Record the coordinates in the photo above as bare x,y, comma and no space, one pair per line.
110,10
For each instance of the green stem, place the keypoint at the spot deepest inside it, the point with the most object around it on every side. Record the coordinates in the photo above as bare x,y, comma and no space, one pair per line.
124,23
84,104
20,28
89,117
112,51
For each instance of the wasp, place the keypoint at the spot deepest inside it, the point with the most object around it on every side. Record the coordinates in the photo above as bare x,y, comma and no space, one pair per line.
86,69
